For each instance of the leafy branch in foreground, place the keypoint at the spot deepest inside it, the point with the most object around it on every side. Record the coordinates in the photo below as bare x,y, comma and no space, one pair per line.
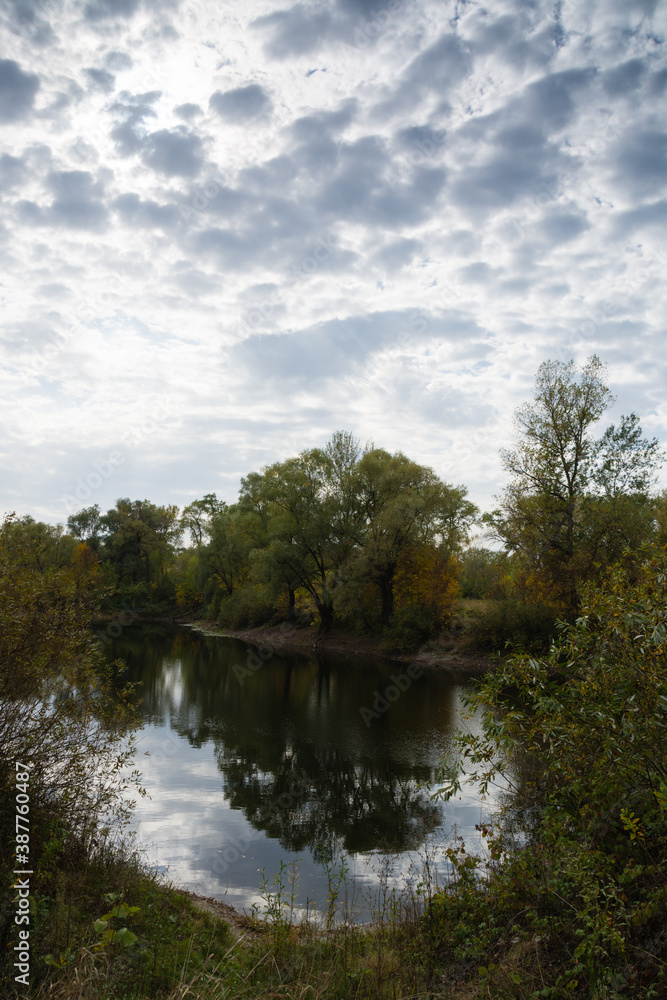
582,733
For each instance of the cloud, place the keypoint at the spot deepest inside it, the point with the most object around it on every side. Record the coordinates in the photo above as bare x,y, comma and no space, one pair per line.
173,152
295,32
341,348
188,111
641,161
13,171
17,91
118,61
623,79
135,212
241,104
133,110
102,10
101,79
78,203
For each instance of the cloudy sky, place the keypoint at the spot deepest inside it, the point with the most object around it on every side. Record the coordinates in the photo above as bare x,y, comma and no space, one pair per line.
230,228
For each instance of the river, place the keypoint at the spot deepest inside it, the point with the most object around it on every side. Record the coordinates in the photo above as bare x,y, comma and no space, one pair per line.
254,760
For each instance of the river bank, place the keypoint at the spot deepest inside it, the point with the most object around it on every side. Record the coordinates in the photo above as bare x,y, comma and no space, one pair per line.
446,653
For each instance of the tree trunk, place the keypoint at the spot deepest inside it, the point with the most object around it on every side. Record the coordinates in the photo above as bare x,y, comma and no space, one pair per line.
386,584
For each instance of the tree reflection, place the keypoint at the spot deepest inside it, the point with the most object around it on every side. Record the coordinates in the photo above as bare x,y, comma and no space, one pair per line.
295,755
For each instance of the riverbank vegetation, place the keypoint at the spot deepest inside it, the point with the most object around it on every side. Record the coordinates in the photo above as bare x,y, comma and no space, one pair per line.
571,898
376,544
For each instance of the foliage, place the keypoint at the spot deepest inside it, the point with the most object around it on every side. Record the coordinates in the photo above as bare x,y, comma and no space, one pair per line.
247,607
511,625
64,712
590,786
483,573
573,502
411,626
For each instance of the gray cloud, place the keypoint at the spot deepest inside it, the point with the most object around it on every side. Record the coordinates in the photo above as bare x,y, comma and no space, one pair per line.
135,212
296,31
118,61
133,110
339,348
31,22
102,10
17,91
623,79
641,161
78,203
241,104
188,111
101,79
13,171
174,152
561,227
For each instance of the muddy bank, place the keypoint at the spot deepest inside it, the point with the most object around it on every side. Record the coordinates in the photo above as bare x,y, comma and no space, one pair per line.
443,654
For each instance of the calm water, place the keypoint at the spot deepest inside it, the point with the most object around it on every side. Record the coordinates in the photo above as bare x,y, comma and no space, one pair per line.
248,768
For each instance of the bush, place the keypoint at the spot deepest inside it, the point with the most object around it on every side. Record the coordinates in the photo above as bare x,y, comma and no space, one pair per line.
580,735
411,626
512,625
247,607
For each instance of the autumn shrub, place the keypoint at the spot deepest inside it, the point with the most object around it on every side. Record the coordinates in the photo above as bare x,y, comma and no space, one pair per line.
511,625
411,626
247,607
65,723
580,735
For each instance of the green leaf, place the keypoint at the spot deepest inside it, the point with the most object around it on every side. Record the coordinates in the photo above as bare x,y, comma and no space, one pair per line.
126,937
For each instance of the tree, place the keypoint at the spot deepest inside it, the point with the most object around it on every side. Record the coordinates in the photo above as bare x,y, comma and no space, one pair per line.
401,504
573,500
293,505
86,525
139,538
64,720
226,555
196,517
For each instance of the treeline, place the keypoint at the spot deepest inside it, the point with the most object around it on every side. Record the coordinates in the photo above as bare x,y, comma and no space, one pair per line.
376,543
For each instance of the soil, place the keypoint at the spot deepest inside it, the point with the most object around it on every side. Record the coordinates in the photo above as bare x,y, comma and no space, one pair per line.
446,653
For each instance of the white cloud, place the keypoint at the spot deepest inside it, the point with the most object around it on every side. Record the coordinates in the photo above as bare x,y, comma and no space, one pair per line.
287,219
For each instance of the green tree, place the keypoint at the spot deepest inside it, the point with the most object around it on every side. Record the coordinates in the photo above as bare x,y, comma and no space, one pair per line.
573,500
140,538
62,714
400,503
196,517
86,525
293,504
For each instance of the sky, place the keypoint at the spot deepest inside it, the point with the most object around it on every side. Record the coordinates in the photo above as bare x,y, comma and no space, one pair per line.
229,229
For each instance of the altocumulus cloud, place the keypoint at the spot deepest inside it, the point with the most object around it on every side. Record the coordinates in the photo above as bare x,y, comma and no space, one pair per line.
17,91
291,217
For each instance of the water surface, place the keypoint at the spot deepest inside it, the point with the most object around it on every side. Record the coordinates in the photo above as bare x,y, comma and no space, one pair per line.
254,760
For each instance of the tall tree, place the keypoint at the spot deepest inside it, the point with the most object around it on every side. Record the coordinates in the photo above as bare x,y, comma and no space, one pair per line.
293,505
140,537
570,492
401,503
